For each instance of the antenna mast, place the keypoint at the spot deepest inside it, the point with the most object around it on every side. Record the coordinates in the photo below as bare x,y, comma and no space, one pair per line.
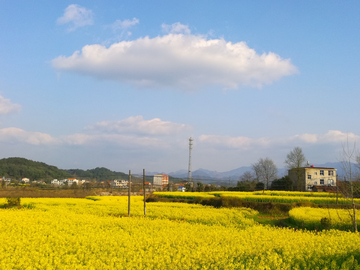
189,171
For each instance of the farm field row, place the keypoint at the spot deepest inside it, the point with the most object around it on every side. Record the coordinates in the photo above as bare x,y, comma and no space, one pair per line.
313,218
268,196
95,233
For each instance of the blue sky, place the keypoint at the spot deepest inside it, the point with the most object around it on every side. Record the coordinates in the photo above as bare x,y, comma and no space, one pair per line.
124,84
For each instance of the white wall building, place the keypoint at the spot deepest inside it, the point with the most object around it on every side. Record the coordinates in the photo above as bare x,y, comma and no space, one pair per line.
25,180
120,183
160,180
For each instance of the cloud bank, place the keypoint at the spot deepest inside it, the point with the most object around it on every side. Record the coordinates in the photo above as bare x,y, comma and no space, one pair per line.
130,132
16,135
7,107
246,143
131,146
77,16
177,61
137,125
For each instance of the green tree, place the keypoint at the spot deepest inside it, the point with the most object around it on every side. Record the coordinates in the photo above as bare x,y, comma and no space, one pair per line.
283,183
200,187
246,185
188,187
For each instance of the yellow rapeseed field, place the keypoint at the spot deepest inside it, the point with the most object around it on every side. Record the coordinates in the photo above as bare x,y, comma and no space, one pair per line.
268,196
337,218
95,233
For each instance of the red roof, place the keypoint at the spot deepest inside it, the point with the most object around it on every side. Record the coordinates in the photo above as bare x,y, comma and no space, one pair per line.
312,167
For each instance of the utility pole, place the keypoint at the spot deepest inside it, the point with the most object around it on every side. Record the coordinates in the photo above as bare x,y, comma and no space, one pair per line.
144,192
354,208
129,193
337,189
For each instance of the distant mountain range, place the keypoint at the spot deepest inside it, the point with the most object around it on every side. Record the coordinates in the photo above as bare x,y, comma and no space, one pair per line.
236,173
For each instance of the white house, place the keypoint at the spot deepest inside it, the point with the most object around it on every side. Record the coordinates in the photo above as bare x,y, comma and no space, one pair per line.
120,183
71,181
181,188
25,180
6,180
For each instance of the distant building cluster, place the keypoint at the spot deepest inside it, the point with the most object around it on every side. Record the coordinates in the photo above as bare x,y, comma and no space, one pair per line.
67,181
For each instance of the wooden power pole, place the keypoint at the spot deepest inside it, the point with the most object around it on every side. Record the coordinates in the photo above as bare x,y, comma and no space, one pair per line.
144,192
129,193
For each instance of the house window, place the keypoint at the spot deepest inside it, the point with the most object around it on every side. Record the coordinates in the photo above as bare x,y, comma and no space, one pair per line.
309,187
321,181
315,183
309,176
321,172
315,173
331,173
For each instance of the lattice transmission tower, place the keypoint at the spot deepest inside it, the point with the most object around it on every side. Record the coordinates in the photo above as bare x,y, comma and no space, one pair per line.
189,171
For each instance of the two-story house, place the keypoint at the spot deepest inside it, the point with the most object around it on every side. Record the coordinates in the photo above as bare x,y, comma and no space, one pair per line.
305,178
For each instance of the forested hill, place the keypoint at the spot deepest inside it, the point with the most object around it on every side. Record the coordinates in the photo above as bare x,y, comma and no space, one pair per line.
99,174
17,168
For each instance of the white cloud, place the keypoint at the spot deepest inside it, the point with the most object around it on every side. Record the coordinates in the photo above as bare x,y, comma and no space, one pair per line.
137,125
176,28
186,62
113,139
7,107
233,142
332,136
125,24
130,132
77,16
16,135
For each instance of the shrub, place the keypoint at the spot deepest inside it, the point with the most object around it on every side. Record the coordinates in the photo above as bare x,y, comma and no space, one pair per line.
13,202
216,202
92,198
325,223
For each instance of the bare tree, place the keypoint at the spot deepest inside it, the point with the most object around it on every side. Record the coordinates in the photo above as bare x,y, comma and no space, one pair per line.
265,170
295,160
348,157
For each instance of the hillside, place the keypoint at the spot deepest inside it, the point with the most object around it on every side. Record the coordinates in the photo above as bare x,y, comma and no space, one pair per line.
17,168
98,174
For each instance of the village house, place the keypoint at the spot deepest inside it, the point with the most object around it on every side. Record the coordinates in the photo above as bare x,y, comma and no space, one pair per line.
306,178
148,187
119,183
6,180
160,181
25,180
69,181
